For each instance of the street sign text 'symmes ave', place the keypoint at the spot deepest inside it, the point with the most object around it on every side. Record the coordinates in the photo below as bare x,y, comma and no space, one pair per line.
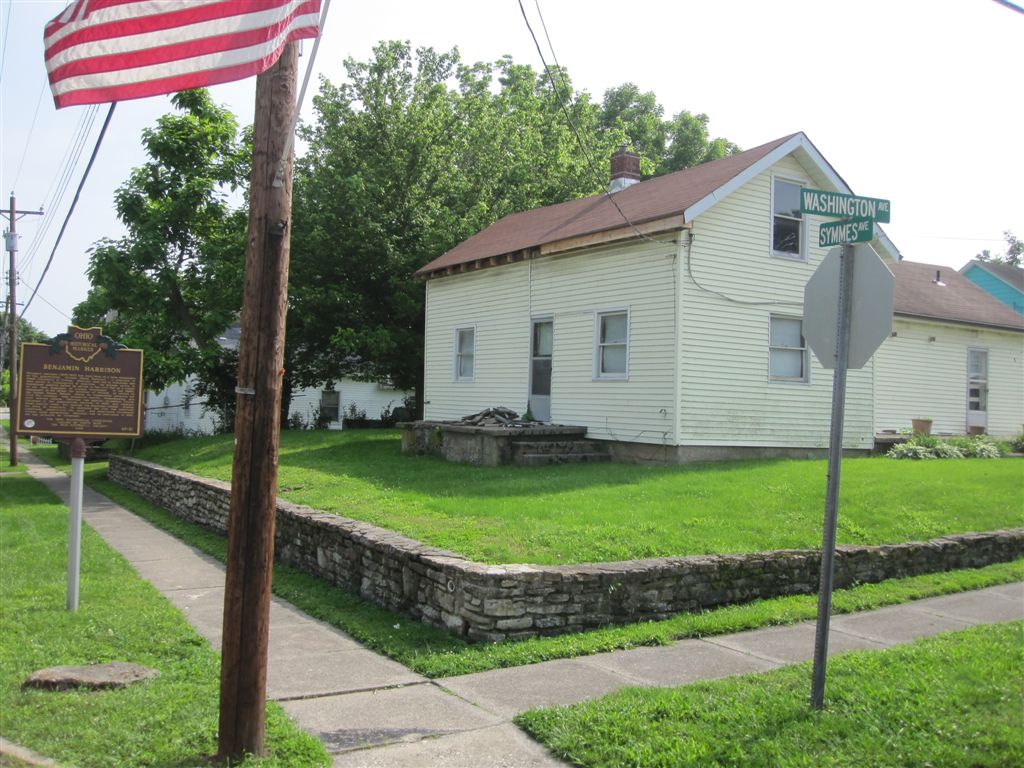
838,205
81,384
839,232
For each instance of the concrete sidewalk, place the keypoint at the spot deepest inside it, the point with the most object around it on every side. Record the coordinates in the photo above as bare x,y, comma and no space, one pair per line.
371,711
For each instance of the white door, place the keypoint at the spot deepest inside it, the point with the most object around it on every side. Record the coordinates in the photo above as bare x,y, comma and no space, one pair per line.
977,388
541,345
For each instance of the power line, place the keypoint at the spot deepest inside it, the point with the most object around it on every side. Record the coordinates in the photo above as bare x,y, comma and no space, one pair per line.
28,139
95,151
58,310
579,139
7,28
608,194
1011,6
61,180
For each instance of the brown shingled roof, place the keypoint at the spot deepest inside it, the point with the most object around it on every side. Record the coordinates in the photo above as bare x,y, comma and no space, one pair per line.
958,301
651,200
1007,273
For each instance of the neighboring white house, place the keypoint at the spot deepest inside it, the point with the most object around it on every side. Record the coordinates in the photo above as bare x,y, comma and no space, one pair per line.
956,356
681,327
175,410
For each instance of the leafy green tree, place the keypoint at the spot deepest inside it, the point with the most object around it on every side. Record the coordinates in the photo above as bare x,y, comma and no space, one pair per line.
173,283
689,143
26,333
411,155
664,146
1014,255
641,118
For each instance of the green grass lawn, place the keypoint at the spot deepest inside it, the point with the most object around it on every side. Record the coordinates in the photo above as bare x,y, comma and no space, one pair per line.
5,451
168,721
949,700
608,512
435,653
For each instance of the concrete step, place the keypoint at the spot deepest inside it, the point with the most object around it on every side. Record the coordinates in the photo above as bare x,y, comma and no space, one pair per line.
521,447
545,459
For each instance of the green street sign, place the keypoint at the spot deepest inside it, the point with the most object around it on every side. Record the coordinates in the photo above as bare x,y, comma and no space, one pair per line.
823,203
853,231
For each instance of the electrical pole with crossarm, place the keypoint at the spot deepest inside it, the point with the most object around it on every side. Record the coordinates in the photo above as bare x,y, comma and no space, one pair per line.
11,238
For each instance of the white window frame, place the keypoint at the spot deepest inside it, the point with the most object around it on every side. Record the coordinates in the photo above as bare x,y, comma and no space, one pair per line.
801,255
456,356
338,412
805,364
598,314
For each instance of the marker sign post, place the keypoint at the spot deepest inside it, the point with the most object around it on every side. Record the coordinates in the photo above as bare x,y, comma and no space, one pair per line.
857,281
81,387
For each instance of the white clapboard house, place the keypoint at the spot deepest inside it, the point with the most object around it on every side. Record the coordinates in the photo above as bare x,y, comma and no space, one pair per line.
955,357
665,313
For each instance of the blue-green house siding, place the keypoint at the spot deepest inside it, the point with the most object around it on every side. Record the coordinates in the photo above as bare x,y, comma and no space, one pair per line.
995,287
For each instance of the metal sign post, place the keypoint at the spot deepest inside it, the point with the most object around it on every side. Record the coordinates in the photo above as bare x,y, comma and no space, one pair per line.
835,455
75,521
864,300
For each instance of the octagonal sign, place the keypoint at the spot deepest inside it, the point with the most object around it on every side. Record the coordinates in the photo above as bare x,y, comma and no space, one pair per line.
870,308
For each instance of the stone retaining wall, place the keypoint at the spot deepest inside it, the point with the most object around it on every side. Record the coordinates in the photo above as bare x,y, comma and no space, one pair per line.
498,602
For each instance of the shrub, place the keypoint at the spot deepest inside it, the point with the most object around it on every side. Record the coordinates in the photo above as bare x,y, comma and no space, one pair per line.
355,417
1017,443
927,447
984,449
978,447
944,450
296,421
387,415
910,450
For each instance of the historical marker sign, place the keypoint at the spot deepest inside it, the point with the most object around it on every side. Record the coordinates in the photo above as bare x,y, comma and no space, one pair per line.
852,231
821,202
80,384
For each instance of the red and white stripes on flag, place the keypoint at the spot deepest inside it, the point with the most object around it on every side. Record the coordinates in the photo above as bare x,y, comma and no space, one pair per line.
113,50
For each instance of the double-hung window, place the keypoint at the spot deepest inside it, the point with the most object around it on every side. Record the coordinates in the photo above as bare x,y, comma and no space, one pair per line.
787,351
787,221
330,404
465,353
611,349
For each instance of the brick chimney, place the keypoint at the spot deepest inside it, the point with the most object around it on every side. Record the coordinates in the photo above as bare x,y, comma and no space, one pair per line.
625,169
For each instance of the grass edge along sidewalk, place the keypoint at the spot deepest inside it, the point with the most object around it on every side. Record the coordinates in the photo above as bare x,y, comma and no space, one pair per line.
434,653
171,720
951,699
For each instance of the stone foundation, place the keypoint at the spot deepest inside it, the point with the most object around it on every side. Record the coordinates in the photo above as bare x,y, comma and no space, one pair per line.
499,602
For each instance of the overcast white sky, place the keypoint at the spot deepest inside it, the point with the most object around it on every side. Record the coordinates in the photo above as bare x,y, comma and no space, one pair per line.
915,101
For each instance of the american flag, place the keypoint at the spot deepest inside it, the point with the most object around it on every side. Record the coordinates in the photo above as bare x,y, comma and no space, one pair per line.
113,50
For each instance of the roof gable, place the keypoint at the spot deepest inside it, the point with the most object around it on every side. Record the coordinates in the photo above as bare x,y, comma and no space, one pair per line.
1012,276
687,193
957,300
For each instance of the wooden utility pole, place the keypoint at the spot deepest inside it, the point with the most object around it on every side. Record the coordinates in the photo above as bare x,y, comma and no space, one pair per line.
243,680
12,316
11,237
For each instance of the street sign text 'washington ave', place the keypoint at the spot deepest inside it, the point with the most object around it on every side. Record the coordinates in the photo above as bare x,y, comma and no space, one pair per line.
842,206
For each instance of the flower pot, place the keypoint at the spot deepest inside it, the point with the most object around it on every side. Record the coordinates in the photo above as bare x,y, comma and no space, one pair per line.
921,426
